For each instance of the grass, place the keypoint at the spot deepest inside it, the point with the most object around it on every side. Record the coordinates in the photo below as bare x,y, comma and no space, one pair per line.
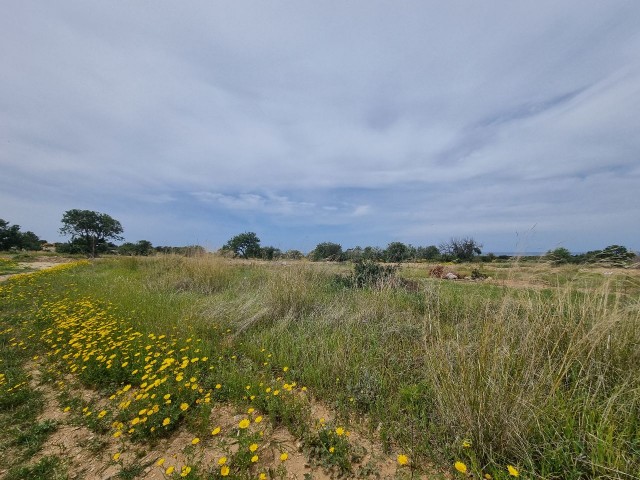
535,368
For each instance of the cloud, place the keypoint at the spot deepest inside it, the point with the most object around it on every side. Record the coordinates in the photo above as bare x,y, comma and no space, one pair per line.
334,118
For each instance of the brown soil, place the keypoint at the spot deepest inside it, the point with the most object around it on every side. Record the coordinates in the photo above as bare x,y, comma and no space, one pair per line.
89,455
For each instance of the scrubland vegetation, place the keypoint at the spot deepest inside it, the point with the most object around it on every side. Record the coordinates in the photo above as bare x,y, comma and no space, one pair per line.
532,372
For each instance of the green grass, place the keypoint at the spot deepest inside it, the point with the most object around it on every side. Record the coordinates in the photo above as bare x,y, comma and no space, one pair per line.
542,376
47,468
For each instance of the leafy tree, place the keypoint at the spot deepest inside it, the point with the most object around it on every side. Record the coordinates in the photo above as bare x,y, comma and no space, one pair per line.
326,251
615,255
142,247
90,229
245,245
396,252
12,238
428,253
559,255
30,241
293,255
463,249
270,253
373,253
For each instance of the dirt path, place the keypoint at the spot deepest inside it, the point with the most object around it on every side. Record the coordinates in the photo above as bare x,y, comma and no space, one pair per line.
30,267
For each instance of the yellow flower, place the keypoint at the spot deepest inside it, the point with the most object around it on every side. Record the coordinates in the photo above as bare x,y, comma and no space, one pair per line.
195,441
102,413
185,471
215,431
332,449
117,434
160,462
488,477
66,409
224,471
339,431
285,369
263,476
251,410
254,459
461,467
116,456
284,456
258,419
184,406
222,460
466,443
166,422
403,459
170,470
513,471
244,423
253,447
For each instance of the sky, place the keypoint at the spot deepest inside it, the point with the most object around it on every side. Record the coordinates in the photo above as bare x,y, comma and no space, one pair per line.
360,122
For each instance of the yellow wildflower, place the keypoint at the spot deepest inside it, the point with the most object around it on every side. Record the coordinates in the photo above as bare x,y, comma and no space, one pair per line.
284,456
403,459
461,467
513,471
244,423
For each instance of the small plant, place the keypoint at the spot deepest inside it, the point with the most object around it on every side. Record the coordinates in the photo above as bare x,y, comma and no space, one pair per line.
369,274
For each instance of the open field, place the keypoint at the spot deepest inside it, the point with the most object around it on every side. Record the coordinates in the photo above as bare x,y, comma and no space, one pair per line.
173,367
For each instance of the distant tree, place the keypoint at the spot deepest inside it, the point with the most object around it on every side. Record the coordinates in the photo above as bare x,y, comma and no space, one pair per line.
373,253
245,245
293,255
615,255
463,249
396,252
428,253
90,229
270,253
30,241
12,238
559,255
142,248
326,251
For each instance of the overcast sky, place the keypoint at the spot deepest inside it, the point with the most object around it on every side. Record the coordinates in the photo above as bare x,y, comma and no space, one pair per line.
359,122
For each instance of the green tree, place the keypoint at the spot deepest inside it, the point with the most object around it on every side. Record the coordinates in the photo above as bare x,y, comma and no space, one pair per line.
428,253
559,255
326,251
244,245
463,249
12,238
396,252
92,229
270,253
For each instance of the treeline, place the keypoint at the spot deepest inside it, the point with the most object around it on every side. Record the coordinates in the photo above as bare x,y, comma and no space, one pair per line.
11,238
613,255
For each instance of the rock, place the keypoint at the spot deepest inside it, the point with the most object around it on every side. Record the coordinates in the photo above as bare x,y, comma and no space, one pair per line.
451,276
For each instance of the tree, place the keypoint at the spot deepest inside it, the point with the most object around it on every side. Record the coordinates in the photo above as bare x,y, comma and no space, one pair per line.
142,247
326,251
270,253
91,228
396,252
12,238
428,253
559,255
463,249
245,245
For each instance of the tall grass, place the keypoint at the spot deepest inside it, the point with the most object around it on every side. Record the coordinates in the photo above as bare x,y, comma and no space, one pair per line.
543,379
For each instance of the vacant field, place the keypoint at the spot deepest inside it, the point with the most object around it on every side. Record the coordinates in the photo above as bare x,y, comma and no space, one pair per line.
172,367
